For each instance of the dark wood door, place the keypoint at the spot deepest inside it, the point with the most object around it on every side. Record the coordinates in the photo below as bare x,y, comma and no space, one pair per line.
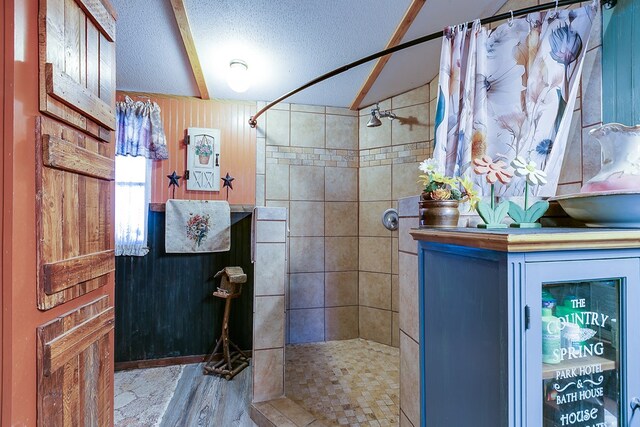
75,170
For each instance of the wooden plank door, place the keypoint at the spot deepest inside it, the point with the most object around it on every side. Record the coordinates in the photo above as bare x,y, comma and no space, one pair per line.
75,173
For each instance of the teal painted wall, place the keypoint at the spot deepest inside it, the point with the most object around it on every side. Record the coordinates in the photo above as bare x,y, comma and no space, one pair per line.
621,63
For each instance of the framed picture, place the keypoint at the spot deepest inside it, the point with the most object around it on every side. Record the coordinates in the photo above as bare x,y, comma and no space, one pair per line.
203,159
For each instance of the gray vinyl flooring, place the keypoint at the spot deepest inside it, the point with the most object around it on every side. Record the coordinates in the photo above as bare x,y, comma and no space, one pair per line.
181,396
207,400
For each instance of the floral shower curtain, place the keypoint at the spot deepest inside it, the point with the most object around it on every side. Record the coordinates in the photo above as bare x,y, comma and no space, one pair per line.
510,91
140,138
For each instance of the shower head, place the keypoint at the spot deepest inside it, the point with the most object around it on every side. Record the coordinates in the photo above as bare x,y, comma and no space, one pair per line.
376,115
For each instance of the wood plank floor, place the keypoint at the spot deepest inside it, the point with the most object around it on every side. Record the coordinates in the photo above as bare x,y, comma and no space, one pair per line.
207,400
193,399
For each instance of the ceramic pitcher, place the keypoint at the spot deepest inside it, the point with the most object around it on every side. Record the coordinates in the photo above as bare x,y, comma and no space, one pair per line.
620,162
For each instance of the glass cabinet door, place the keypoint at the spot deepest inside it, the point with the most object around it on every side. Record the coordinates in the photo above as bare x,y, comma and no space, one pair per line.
580,359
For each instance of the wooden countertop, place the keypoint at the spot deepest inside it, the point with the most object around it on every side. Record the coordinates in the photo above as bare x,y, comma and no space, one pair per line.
532,240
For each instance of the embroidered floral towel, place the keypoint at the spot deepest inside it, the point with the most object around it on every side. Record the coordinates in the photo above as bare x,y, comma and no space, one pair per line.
197,226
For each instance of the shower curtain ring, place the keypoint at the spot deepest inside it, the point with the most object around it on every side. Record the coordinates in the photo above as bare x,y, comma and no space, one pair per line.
510,20
555,11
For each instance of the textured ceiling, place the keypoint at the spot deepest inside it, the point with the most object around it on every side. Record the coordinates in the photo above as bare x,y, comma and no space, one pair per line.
285,43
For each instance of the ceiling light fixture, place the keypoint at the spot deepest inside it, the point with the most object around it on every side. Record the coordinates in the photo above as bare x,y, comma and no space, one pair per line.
376,115
238,77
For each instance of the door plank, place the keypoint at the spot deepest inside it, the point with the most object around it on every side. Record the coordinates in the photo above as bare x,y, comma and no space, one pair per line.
60,154
62,349
66,90
71,40
100,16
61,275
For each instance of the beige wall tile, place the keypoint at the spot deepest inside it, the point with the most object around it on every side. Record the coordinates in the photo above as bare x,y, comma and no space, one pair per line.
384,105
412,124
341,218
375,254
395,293
341,184
308,108
306,290
433,88
307,130
268,374
340,288
406,242
277,127
272,213
260,196
394,255
592,87
410,378
260,155
342,111
419,95
405,177
306,325
342,132
375,183
572,166
596,30
404,421
269,269
277,182
341,323
306,254
306,219
374,290
433,108
307,183
408,206
268,322
591,155
395,330
374,137
270,232
341,253
284,106
408,283
370,219
375,324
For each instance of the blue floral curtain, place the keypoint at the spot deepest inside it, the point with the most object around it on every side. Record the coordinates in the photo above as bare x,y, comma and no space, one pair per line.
139,130
510,91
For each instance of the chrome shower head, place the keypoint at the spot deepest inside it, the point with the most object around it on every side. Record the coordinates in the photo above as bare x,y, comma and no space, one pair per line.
376,115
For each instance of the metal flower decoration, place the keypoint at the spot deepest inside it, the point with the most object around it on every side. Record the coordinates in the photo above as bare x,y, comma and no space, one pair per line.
528,217
496,171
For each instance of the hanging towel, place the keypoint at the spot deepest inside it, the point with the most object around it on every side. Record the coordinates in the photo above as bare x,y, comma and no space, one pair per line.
197,226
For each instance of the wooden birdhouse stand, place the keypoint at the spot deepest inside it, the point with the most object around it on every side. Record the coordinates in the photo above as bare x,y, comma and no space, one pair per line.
232,362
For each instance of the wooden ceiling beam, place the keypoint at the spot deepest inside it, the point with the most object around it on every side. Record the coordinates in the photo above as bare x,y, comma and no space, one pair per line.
187,38
402,28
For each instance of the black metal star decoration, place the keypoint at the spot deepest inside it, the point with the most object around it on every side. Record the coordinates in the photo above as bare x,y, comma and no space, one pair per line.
174,181
227,183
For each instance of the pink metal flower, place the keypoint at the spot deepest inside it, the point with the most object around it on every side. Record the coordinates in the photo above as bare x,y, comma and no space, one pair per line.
494,171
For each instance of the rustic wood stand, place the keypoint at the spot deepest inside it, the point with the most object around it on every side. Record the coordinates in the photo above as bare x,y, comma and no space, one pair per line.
231,362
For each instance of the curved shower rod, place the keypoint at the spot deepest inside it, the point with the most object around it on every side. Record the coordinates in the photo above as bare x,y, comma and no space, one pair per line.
560,3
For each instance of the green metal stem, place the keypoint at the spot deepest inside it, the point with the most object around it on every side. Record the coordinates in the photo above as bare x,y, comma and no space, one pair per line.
526,195
493,199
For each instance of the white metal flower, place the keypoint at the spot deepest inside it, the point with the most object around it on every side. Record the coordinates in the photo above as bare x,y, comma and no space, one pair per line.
528,170
429,166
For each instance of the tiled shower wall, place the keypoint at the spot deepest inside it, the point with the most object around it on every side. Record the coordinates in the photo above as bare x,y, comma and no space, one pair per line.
336,177
308,163
389,157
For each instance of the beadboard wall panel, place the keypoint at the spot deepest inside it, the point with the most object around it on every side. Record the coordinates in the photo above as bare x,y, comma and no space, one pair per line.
164,306
238,145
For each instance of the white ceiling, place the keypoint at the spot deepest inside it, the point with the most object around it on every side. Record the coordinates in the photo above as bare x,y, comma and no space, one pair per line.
286,43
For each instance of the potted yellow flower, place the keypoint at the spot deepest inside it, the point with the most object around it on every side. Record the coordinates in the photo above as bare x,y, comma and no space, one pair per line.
442,195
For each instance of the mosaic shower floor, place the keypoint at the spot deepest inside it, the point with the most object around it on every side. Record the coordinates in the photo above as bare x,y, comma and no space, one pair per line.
353,382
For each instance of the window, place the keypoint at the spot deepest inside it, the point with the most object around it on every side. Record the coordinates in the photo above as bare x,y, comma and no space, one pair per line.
133,193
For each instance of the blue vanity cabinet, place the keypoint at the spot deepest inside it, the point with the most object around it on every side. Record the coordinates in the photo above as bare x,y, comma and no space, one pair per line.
535,328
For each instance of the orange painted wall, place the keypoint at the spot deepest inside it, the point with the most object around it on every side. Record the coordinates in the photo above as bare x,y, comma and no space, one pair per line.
20,317
237,148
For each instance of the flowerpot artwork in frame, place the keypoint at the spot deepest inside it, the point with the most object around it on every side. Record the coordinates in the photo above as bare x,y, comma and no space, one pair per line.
441,196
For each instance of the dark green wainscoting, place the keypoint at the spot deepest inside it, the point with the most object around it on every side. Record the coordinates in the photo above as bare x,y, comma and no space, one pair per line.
621,63
164,306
